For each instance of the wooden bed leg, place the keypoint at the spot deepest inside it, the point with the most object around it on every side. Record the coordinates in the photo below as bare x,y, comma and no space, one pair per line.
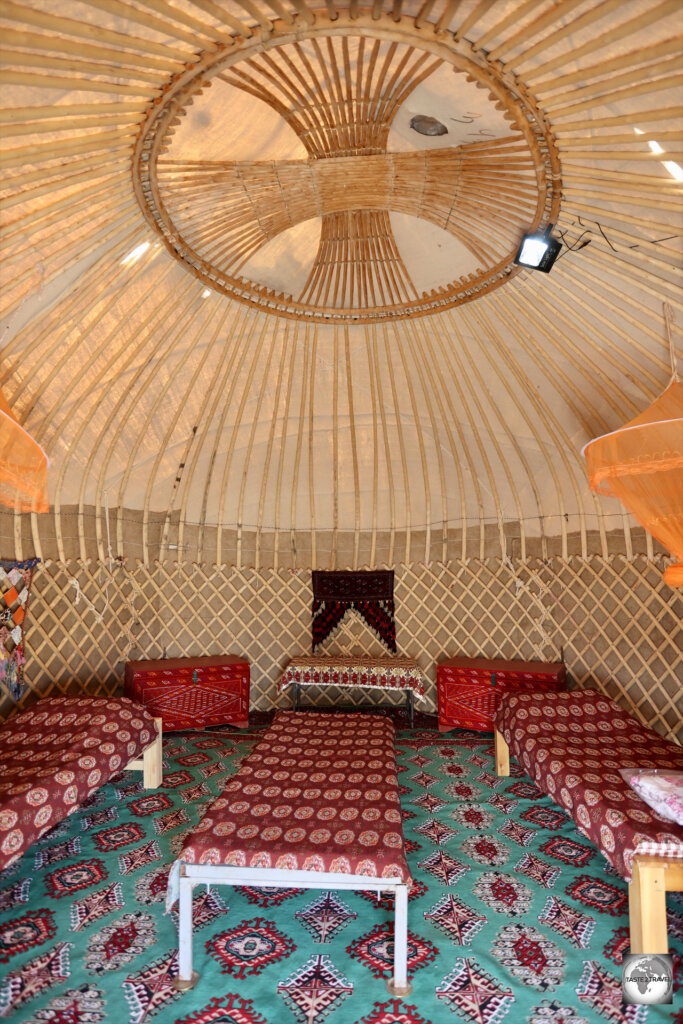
647,907
152,760
502,754
187,978
399,984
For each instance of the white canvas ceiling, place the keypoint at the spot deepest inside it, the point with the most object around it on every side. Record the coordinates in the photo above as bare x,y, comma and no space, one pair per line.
156,390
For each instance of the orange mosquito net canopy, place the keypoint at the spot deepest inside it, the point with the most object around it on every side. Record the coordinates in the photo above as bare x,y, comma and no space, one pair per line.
642,465
23,465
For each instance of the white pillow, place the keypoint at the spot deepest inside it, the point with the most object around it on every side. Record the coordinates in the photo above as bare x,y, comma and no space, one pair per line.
661,789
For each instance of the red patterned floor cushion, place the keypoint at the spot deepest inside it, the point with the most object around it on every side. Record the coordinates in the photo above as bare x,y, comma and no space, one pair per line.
573,746
318,793
55,754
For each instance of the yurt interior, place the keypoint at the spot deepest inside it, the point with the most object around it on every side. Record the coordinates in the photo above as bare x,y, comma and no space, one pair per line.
341,512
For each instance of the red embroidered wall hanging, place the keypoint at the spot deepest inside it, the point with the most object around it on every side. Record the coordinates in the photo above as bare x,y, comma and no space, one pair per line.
370,593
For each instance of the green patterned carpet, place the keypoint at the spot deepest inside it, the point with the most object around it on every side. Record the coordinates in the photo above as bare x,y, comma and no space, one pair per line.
513,915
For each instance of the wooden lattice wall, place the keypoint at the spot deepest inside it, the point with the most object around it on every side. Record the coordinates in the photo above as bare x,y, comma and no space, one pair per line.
617,623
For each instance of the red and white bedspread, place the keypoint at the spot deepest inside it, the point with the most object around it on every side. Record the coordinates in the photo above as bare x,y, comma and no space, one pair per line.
318,793
573,745
55,754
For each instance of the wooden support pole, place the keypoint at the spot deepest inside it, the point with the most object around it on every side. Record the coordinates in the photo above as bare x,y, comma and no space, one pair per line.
670,115
652,878
52,150
73,27
502,754
153,759
150,763
47,81
49,62
79,48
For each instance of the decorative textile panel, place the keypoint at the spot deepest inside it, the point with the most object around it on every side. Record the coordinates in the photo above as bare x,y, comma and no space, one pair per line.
15,588
370,593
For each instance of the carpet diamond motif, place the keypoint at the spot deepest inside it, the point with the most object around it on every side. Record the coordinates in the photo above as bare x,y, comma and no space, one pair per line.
599,895
151,988
249,948
568,851
435,831
72,877
393,1012
314,990
83,1005
59,851
473,994
599,989
229,1009
530,956
454,917
14,895
376,951
473,815
86,940
120,942
325,916
444,867
486,850
35,977
33,928
568,921
96,905
503,893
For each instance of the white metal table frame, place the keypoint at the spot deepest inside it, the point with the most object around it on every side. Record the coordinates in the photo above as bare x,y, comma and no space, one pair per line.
228,874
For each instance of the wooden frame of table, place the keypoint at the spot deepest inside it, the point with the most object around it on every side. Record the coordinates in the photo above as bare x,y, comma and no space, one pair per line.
346,671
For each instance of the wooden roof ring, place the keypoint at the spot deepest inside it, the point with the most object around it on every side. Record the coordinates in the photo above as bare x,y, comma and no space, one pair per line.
213,216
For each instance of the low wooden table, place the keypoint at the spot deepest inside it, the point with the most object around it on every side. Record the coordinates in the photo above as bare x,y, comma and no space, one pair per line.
354,670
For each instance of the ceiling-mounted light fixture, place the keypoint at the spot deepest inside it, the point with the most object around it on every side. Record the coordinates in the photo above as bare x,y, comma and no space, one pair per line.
426,125
538,251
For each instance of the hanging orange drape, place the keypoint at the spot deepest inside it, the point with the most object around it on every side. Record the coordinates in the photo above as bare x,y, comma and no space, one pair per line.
642,465
23,465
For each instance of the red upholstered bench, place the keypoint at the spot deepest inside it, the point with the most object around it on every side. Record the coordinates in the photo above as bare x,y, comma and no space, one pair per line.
316,805
572,745
58,752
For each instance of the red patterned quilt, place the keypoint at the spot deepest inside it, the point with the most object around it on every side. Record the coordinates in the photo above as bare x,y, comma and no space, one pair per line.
55,754
572,745
318,793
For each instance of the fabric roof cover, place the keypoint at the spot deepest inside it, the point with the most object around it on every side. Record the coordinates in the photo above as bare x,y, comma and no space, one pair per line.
183,422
